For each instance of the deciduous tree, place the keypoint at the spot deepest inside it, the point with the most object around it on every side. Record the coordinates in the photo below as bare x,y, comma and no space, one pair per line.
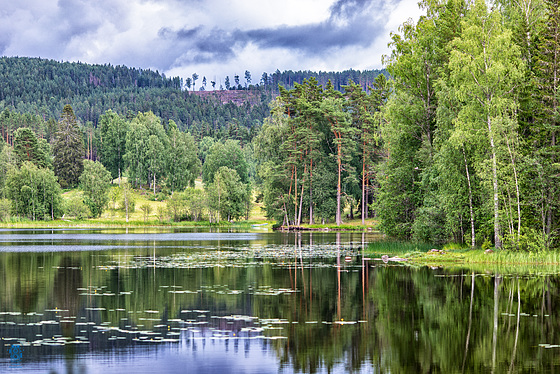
95,182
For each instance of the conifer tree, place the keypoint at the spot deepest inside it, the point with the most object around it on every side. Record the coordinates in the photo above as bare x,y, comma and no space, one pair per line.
68,149
28,148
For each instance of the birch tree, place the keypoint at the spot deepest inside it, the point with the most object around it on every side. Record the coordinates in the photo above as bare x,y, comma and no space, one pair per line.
485,70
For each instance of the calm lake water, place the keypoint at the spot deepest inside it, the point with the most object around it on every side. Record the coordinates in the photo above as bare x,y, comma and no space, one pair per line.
179,301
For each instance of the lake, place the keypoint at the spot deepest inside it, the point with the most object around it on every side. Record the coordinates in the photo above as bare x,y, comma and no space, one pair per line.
178,300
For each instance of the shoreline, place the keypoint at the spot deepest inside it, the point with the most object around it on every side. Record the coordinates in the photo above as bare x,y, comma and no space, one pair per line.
505,261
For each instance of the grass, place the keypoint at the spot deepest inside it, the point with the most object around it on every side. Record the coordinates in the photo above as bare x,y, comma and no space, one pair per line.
142,197
455,256
117,218
399,248
354,225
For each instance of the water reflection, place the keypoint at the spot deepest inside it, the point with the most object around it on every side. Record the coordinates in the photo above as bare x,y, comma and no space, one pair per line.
279,302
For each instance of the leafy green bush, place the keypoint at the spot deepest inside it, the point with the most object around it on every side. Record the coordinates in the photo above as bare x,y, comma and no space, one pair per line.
486,244
76,208
5,207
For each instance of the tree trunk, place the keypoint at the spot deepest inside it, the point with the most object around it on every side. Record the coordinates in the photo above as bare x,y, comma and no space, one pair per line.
497,233
126,203
516,190
338,189
364,191
473,240
311,192
301,198
295,195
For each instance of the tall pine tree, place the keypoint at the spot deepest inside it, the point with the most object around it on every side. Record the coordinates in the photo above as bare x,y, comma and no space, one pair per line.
68,149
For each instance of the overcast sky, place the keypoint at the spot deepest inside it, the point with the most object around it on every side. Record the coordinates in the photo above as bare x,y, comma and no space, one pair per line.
212,38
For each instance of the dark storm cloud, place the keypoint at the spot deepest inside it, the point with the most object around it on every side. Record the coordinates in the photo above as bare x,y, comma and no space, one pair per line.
202,45
350,23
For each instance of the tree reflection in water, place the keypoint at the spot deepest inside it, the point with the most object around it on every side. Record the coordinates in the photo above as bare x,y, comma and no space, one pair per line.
302,313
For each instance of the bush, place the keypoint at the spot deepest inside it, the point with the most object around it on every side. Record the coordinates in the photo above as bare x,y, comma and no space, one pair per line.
5,208
530,240
487,244
429,226
76,208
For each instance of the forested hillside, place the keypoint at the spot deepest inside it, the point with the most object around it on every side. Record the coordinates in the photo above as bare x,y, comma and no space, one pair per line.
57,118
42,87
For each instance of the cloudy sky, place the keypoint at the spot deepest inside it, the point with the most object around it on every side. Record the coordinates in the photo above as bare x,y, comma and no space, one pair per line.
212,38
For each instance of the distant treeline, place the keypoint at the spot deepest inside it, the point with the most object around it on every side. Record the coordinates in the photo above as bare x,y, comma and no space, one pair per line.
338,79
43,87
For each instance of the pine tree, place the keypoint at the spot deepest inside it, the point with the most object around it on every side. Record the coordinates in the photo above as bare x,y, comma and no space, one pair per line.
68,149
28,148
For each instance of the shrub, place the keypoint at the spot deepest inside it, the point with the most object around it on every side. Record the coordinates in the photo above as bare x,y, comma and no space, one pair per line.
75,207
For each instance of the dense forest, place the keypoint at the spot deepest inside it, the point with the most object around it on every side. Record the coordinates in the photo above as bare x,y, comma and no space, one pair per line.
470,129
459,146
120,123
457,143
43,87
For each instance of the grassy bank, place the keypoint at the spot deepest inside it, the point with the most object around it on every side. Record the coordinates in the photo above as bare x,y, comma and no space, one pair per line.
348,225
475,259
158,216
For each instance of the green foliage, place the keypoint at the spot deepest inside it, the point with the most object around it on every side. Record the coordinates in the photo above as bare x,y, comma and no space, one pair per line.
115,195
196,203
135,156
68,149
487,244
399,248
94,181
228,154
112,132
146,210
228,196
34,192
184,165
429,226
315,148
5,207
127,202
464,131
28,148
176,206
76,208
8,160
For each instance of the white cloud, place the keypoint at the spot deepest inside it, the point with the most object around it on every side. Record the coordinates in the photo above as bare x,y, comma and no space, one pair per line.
213,38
